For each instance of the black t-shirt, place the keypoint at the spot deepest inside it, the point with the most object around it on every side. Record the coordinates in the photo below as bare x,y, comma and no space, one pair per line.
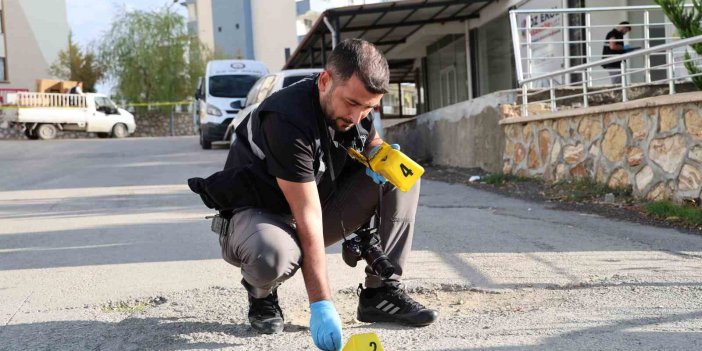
618,39
284,138
607,51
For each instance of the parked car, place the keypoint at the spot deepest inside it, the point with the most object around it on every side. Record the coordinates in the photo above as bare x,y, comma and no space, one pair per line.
262,89
220,96
43,115
271,83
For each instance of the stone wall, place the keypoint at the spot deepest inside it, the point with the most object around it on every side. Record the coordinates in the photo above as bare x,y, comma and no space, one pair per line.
653,145
149,124
466,134
154,124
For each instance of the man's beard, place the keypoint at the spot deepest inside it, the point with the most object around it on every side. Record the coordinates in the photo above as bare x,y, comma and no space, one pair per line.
326,106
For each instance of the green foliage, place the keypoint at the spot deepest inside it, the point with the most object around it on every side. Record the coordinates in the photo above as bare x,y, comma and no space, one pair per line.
687,23
584,189
670,211
78,65
151,57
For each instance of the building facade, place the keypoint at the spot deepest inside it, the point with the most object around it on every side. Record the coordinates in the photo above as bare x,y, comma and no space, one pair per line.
245,29
457,50
33,32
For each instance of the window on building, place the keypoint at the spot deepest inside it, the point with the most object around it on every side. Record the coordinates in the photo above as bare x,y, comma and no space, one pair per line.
446,72
3,61
495,59
449,89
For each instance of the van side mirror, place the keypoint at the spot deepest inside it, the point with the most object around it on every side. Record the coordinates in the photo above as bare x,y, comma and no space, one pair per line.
237,105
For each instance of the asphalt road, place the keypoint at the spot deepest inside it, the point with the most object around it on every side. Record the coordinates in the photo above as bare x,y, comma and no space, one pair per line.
102,247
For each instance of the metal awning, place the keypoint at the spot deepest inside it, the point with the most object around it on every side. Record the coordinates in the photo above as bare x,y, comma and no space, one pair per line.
388,25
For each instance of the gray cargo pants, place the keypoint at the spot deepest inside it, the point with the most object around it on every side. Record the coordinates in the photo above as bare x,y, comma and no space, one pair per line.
265,245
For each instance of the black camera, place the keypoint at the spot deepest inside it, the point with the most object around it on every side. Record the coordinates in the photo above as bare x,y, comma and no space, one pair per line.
366,245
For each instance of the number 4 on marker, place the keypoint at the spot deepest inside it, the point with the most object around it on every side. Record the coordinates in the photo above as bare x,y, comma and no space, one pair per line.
405,171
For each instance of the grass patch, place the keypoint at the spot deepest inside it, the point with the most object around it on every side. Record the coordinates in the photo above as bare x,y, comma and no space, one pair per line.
124,307
674,212
135,306
501,178
584,189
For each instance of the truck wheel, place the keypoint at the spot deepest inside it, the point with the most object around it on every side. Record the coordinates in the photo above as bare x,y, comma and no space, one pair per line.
31,134
119,131
46,131
206,144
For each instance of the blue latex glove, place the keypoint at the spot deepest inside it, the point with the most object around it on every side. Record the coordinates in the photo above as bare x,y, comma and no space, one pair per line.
377,178
325,326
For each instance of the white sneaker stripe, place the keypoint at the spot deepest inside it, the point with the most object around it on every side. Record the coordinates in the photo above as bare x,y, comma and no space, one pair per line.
381,304
394,310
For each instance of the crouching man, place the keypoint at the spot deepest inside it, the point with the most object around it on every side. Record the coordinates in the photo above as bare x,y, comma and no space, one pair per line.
291,190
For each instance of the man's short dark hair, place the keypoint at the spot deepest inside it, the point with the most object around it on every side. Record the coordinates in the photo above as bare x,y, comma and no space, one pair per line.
626,25
359,57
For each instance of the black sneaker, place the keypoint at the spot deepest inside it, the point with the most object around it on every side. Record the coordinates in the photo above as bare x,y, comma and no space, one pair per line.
392,304
265,314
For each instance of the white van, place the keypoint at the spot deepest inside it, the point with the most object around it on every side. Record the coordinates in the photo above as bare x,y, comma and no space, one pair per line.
221,94
263,89
43,115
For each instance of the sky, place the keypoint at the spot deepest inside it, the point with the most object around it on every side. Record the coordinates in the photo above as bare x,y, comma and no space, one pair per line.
89,19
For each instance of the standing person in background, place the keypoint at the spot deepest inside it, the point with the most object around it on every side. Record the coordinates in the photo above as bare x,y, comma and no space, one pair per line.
614,45
78,89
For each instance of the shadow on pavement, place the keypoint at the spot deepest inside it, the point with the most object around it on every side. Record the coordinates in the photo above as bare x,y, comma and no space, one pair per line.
131,333
115,244
616,336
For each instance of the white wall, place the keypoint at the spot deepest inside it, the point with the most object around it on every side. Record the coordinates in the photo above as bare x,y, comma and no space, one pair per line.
274,29
36,30
205,29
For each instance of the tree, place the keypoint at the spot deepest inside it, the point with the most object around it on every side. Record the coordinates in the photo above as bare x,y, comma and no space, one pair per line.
687,23
151,57
77,65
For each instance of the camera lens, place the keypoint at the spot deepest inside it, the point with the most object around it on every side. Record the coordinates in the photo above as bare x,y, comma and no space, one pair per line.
379,262
383,268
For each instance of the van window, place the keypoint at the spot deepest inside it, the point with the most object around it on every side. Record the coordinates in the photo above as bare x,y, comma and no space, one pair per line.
201,87
231,86
104,102
253,93
266,87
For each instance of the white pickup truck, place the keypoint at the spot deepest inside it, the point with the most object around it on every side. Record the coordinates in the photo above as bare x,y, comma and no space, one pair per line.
43,115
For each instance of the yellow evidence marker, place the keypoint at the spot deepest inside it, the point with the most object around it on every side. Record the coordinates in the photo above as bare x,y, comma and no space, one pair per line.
396,167
363,342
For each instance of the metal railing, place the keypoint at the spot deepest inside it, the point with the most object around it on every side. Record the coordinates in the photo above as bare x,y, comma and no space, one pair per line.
548,39
583,90
47,100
